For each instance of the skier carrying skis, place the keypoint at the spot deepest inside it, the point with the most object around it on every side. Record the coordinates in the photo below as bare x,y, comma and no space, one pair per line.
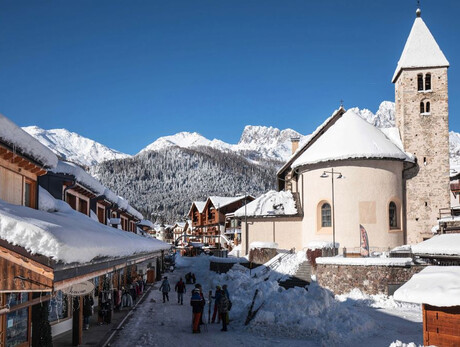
197,302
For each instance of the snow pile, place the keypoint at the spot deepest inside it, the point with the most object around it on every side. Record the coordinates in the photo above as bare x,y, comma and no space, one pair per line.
63,234
319,244
370,261
350,137
380,301
23,143
261,244
398,343
295,313
434,285
270,204
446,244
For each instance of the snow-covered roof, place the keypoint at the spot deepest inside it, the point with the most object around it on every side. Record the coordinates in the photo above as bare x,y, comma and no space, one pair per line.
222,201
320,244
88,181
351,137
58,232
434,285
272,203
199,206
365,261
421,50
25,144
446,244
146,223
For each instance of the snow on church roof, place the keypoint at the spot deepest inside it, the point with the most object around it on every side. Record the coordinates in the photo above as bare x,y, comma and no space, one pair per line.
421,50
351,137
58,232
26,144
272,203
434,285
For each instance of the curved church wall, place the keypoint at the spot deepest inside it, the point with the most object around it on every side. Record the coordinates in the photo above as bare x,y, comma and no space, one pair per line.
363,197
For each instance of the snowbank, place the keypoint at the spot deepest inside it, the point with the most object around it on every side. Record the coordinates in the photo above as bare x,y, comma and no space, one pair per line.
365,261
25,144
434,285
261,244
272,203
58,232
312,245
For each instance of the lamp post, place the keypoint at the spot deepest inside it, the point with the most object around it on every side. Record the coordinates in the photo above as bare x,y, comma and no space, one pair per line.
339,175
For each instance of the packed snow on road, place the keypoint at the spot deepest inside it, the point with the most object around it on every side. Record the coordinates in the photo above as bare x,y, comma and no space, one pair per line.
293,317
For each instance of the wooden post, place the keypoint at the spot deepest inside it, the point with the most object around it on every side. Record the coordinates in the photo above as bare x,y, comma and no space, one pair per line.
77,322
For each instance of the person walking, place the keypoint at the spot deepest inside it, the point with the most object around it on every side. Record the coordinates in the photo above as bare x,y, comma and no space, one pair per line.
180,289
223,310
165,288
197,303
216,298
88,303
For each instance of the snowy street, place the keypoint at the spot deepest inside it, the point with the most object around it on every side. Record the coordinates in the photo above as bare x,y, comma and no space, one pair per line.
348,320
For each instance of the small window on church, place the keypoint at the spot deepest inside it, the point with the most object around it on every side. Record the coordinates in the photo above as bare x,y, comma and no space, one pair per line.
422,107
419,82
392,216
428,81
427,108
326,215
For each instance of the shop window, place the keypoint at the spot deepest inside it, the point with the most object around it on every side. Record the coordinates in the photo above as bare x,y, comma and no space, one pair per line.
58,307
326,220
428,81
17,322
393,215
419,82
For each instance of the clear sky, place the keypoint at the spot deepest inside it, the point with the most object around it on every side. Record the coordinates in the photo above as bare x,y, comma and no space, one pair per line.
127,72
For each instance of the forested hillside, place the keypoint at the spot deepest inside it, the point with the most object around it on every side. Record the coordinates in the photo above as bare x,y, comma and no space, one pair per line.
163,183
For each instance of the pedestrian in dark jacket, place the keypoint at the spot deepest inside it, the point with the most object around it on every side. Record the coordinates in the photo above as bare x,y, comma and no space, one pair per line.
165,288
180,289
223,310
216,298
88,303
197,302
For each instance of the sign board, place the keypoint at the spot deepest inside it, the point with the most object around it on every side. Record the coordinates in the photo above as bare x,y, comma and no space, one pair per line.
78,289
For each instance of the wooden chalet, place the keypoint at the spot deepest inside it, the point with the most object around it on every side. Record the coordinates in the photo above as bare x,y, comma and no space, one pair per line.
209,221
30,283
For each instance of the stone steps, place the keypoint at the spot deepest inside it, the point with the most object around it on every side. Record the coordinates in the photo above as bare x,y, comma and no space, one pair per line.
301,278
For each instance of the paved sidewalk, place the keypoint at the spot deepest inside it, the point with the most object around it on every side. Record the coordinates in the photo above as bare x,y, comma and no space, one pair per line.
99,335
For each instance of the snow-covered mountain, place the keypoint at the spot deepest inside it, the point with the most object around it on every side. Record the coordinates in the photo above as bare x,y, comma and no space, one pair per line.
383,118
73,147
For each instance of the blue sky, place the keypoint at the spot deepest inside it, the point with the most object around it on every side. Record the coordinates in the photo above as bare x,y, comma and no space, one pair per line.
127,72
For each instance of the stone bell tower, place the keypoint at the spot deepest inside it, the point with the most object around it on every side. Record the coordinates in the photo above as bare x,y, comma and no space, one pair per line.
422,116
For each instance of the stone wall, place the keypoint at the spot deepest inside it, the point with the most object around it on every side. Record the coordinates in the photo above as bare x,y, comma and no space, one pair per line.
260,256
373,279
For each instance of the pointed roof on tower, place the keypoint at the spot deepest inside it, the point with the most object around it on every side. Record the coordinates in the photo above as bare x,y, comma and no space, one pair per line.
421,49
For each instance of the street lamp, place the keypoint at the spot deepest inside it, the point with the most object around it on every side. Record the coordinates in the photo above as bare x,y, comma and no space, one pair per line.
339,176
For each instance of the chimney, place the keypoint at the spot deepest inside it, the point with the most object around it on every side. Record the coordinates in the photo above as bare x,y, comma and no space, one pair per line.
295,143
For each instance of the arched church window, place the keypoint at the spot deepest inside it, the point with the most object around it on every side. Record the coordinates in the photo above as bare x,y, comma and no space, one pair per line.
392,215
428,81
427,107
422,107
419,82
326,215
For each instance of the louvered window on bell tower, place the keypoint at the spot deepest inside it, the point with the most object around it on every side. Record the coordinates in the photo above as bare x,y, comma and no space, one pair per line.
419,82
428,82
422,107
427,107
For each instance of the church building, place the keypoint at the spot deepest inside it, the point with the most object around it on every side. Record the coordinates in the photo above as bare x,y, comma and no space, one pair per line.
351,176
